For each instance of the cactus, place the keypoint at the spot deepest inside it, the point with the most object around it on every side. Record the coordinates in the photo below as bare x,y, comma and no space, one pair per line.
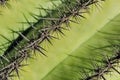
77,39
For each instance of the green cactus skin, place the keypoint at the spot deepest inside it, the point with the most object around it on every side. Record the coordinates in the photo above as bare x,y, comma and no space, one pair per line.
32,39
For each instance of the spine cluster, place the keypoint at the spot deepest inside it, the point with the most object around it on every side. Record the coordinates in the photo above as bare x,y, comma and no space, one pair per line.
70,9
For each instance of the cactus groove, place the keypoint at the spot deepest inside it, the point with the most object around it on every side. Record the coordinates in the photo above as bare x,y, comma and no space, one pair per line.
48,27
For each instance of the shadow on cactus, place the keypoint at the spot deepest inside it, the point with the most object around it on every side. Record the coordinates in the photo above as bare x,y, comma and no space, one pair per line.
83,55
